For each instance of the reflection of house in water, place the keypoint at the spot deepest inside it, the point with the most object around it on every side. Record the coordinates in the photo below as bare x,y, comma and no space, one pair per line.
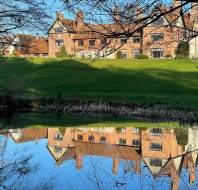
157,148
28,134
192,138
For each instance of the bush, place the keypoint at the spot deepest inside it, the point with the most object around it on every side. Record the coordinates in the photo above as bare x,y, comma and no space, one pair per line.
1,52
119,55
182,50
182,136
169,56
142,56
62,53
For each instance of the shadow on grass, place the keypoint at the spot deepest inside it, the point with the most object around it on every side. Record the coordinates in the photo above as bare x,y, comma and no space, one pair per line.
35,120
77,79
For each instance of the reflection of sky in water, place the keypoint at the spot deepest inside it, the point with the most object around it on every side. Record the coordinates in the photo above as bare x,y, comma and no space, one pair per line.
96,172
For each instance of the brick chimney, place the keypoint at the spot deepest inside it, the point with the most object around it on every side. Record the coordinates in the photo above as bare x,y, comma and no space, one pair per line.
79,160
192,172
194,13
79,19
115,165
177,3
175,179
59,15
116,14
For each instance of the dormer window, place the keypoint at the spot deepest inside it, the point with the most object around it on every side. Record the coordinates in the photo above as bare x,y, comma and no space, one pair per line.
59,30
58,136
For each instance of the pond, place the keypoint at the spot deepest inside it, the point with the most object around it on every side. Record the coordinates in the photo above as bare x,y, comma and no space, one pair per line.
79,152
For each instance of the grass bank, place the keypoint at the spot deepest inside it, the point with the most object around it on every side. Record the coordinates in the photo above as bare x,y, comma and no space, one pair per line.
35,120
167,82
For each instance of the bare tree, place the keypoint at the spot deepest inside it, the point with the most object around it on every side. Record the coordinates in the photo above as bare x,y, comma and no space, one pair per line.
16,169
21,16
116,19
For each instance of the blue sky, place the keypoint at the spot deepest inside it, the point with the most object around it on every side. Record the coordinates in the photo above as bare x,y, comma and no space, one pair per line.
57,5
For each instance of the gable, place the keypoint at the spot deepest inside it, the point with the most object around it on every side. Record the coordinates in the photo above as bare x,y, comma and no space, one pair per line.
57,24
165,22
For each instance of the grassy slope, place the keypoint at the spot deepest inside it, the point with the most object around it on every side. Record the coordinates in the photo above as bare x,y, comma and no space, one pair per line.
173,82
46,120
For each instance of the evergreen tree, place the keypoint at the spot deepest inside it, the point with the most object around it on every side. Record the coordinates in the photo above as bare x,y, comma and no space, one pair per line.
63,52
182,50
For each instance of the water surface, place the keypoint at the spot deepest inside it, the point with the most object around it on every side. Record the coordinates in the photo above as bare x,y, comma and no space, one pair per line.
96,154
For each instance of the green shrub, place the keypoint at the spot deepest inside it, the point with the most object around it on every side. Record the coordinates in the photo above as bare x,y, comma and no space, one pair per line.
62,53
1,52
182,50
169,56
119,55
182,136
143,56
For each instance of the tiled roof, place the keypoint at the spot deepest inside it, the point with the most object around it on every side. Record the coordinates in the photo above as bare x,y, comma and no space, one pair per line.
115,151
31,45
95,30
29,134
173,17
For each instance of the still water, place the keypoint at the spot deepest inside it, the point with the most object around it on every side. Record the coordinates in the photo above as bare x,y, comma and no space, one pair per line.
138,155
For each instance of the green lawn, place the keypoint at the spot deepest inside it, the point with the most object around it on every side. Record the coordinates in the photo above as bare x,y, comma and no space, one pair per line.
169,82
34,120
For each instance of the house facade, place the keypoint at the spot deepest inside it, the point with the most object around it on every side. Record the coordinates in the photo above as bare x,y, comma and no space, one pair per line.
157,148
194,41
23,45
158,40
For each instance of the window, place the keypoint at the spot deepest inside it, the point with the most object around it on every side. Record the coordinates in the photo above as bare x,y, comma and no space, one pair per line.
58,149
59,42
91,138
156,132
124,53
156,147
45,54
103,140
58,136
135,53
92,43
158,22
123,40
80,137
122,141
158,37
136,40
103,42
121,130
59,30
135,130
157,52
136,143
80,43
156,162
36,54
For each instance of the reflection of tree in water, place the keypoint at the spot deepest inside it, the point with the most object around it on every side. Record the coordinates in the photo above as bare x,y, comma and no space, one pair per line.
182,136
15,171
101,178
